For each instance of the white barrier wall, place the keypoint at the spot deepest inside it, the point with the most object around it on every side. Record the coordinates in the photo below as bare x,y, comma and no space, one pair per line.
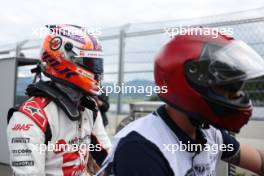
7,93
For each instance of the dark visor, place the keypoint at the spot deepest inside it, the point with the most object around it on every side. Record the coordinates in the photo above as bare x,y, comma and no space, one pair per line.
94,65
235,62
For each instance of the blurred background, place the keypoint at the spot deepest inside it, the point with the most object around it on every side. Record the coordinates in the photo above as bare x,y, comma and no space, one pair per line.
131,32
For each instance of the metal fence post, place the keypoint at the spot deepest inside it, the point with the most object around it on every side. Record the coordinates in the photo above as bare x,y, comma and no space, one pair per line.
121,65
19,46
18,49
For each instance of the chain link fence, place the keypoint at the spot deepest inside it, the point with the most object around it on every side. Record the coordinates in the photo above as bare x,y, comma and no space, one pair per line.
130,51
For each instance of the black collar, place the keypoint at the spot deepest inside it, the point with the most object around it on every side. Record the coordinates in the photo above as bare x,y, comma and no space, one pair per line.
49,90
182,136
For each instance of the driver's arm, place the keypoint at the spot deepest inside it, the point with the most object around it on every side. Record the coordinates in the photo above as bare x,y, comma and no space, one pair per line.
24,140
243,155
251,159
100,137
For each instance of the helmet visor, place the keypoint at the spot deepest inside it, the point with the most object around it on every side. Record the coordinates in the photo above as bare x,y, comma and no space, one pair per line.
94,65
236,61
221,65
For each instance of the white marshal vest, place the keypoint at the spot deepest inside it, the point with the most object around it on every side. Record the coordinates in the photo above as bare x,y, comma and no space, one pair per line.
183,163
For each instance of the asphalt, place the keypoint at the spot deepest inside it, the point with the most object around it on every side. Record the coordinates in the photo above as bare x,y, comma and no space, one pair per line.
5,170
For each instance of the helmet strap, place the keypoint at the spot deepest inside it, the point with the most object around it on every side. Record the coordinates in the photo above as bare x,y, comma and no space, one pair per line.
37,71
197,121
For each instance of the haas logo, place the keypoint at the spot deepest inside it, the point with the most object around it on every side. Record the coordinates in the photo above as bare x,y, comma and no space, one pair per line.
22,127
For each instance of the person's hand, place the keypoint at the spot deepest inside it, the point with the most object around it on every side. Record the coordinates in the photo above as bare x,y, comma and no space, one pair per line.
86,174
92,166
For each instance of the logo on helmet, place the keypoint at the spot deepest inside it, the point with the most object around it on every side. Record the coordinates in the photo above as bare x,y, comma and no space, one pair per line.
55,43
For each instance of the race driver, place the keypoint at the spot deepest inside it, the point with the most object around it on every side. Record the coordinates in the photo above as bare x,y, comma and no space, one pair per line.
204,76
55,130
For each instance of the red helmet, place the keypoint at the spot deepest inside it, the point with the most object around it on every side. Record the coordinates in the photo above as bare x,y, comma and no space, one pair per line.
73,57
193,66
